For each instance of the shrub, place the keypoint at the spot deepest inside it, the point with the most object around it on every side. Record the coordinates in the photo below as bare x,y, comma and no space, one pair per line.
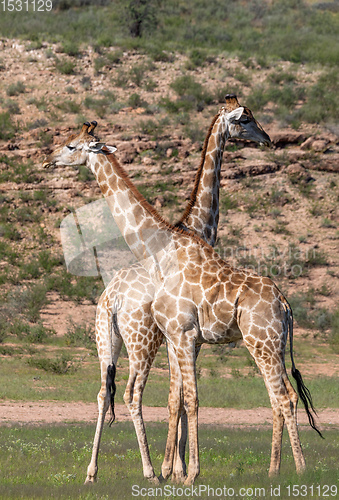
13,107
70,48
334,335
36,334
79,288
191,95
227,203
65,66
60,365
80,336
15,89
28,301
101,105
136,101
322,101
7,127
69,106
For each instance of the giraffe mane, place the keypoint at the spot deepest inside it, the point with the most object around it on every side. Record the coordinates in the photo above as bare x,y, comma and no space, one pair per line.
193,197
147,206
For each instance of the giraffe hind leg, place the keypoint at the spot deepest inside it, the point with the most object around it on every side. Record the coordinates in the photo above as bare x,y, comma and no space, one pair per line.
284,404
133,400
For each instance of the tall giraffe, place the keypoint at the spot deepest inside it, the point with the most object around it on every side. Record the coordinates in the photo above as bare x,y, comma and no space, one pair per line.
134,324
198,299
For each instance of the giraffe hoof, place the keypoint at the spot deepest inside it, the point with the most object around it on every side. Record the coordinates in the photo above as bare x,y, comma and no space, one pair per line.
178,478
153,480
90,480
189,481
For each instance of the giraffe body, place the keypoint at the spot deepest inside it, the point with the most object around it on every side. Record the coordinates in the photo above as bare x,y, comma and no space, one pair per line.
197,298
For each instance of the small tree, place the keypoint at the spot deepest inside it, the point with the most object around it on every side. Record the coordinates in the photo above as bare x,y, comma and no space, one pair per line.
141,15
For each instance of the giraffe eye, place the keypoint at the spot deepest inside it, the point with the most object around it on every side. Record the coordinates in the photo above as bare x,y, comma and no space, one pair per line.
245,119
71,148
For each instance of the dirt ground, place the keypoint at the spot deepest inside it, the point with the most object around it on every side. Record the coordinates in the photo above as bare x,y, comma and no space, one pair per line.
45,412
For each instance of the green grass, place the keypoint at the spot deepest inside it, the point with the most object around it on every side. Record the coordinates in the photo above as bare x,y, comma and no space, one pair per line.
51,462
45,378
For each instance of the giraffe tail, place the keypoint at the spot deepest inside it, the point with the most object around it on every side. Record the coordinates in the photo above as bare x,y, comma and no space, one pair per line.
303,392
111,369
111,389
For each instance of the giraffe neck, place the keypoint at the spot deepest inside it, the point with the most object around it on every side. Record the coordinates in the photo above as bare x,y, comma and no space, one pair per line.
144,230
202,212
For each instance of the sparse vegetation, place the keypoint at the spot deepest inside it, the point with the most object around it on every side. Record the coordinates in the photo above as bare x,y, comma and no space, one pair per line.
15,89
64,66
60,365
7,127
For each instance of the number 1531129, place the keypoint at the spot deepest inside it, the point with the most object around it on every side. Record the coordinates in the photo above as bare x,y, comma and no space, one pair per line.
26,5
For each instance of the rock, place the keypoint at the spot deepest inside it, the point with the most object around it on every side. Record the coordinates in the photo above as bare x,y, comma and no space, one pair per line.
285,137
320,145
328,163
159,202
126,152
297,171
251,170
147,160
183,152
141,146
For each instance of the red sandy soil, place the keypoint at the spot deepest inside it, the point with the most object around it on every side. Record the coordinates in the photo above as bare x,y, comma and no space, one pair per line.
43,412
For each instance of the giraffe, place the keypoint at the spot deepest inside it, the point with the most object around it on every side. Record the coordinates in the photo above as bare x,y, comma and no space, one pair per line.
134,325
198,298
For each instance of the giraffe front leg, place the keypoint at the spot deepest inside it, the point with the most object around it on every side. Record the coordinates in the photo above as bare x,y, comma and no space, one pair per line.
174,459
179,465
186,357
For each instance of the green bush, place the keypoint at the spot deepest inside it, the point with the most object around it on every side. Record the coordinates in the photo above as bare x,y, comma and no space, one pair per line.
15,89
60,365
65,66
80,336
69,106
7,127
136,101
70,48
334,335
322,99
102,105
28,301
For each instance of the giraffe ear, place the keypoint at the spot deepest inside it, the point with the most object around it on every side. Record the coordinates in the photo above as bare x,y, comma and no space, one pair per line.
111,149
95,147
235,115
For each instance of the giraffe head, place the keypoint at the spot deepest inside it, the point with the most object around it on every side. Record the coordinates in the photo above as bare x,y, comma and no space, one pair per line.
75,150
241,122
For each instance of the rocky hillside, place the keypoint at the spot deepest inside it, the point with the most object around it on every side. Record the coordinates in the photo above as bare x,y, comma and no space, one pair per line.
279,206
